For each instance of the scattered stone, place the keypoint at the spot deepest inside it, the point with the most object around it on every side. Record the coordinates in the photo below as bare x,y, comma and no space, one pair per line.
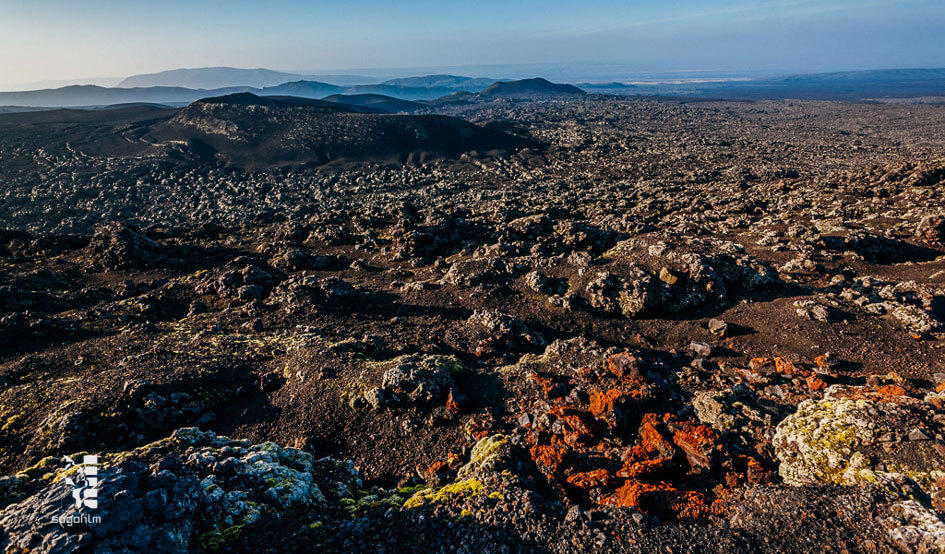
809,309
668,277
702,349
931,229
718,327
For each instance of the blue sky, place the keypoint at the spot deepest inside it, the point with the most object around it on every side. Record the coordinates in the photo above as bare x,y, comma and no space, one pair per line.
64,39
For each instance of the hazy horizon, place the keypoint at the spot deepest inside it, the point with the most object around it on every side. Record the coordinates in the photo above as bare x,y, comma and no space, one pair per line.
56,41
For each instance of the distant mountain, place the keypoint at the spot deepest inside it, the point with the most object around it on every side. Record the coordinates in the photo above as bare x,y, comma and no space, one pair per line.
387,104
867,76
530,88
211,78
250,99
138,105
58,83
91,95
455,83
407,93
442,90
304,89
342,80
22,109
426,87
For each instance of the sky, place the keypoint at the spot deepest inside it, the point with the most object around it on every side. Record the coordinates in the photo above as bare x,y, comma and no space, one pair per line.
70,39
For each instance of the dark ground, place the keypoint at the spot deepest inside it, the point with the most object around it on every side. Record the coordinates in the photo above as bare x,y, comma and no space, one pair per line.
558,301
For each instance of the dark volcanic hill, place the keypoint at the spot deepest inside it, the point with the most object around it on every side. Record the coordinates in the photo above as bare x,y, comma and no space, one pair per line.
530,88
249,131
380,102
245,130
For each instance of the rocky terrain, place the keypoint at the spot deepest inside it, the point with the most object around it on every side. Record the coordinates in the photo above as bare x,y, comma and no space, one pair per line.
642,325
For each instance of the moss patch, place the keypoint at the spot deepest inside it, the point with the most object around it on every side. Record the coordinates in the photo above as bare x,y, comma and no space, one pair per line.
469,487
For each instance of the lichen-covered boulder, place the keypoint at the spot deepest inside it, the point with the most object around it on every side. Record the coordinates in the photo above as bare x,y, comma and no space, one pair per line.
413,380
490,456
852,436
740,414
480,271
915,528
117,246
192,489
653,275
490,474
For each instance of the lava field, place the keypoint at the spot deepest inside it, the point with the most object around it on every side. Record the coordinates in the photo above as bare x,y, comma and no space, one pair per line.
577,324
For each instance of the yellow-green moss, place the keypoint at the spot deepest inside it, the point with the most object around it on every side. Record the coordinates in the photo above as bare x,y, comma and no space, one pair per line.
469,487
487,447
12,423
218,538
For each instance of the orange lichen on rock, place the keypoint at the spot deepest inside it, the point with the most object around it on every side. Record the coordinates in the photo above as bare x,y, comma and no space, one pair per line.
579,425
663,453
691,505
588,374
639,463
548,385
786,367
625,367
589,479
633,494
755,472
436,474
826,361
603,402
891,390
548,458
665,500
478,428
652,439
758,363
815,383
699,442
434,467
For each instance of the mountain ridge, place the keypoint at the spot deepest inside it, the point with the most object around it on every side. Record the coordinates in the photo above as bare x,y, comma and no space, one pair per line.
849,85
210,78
